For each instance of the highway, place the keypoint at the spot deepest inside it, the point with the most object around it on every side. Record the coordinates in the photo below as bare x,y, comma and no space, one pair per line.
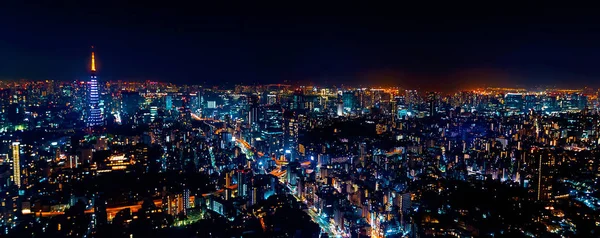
322,223
110,212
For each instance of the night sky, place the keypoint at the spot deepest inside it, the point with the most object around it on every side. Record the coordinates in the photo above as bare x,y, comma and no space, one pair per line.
422,49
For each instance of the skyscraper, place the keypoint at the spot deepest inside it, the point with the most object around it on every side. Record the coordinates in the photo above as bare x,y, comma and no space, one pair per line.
253,112
290,135
544,176
513,101
244,179
297,102
362,154
394,111
349,100
95,113
432,103
100,210
130,104
411,99
16,163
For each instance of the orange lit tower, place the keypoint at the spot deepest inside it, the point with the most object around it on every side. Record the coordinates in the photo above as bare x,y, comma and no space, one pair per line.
95,113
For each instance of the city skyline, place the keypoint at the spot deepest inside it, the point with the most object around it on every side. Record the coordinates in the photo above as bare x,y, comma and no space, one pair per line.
158,122
459,86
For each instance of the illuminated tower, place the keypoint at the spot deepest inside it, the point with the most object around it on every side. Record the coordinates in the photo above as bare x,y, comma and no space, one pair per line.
95,113
16,164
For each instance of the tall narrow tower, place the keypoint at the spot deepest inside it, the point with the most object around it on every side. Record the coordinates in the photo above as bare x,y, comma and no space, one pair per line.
16,163
95,114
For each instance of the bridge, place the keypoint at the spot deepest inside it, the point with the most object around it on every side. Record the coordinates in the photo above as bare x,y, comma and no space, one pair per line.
220,191
110,212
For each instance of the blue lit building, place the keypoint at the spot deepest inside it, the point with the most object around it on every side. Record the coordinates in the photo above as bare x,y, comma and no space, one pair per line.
168,102
290,136
95,113
130,104
531,102
349,100
513,101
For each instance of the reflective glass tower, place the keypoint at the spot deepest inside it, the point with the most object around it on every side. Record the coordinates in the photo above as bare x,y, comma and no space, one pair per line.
95,113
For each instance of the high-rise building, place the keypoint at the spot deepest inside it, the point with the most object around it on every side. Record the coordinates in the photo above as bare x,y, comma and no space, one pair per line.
271,128
544,175
404,202
549,103
16,163
411,99
176,203
212,104
531,102
290,135
100,210
272,99
253,112
297,102
394,111
95,113
432,99
228,179
130,103
577,101
362,153
349,100
168,102
153,112
271,118
513,101
186,200
244,177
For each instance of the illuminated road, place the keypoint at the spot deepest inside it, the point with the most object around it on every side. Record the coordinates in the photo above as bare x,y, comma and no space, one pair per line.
280,174
110,212
325,227
247,149
322,223
198,118
232,187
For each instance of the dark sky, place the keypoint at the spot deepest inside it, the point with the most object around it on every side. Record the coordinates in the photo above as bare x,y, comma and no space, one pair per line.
443,49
